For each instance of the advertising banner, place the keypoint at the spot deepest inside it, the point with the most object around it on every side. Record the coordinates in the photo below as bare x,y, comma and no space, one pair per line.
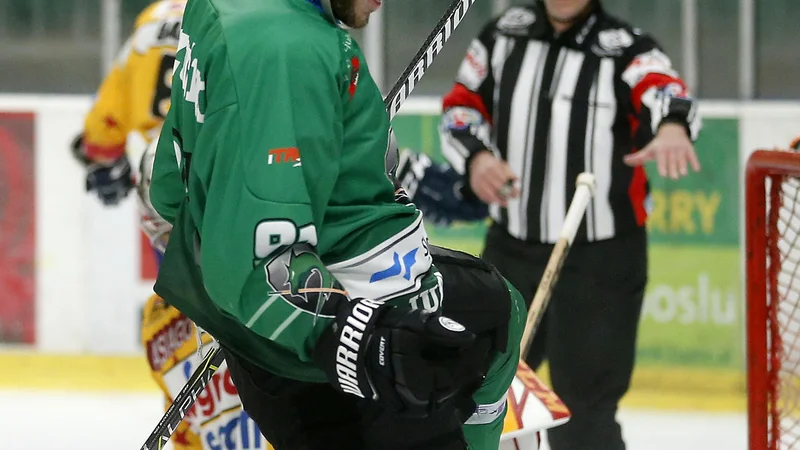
693,313
17,228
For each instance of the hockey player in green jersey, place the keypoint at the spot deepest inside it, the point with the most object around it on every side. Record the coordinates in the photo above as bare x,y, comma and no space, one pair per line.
342,326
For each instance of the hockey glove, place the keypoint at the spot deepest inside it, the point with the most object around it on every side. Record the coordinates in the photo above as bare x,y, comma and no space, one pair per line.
435,189
111,182
404,359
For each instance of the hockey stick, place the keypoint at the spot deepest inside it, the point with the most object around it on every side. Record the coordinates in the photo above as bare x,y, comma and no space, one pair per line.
393,101
185,399
584,191
424,58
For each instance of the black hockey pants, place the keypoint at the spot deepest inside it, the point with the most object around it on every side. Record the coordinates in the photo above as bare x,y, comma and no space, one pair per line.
296,415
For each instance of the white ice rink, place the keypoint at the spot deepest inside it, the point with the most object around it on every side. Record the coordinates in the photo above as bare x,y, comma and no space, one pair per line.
39,420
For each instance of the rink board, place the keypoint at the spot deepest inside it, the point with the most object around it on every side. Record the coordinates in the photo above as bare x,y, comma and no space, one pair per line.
651,388
89,283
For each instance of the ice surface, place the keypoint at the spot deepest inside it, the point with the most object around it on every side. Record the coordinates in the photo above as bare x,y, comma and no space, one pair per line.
38,420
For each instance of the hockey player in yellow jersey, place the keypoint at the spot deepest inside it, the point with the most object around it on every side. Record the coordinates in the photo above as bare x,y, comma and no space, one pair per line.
134,98
135,95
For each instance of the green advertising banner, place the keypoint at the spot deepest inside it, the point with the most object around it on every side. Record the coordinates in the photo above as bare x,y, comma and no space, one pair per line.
693,312
691,333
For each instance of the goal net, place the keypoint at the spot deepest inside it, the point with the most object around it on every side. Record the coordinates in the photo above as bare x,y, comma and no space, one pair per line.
773,299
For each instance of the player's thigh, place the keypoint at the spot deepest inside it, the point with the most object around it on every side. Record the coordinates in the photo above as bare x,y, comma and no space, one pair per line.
294,415
519,262
484,428
477,296
475,292
515,268
522,264
480,298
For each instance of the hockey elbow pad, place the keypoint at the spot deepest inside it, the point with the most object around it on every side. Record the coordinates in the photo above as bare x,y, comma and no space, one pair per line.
406,360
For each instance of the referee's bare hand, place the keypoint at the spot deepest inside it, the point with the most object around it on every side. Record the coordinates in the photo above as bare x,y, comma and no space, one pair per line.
671,149
488,176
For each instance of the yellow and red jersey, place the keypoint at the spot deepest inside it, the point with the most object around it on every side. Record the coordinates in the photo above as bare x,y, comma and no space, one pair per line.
216,421
135,95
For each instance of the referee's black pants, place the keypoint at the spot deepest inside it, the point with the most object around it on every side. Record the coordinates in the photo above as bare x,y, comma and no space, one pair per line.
588,332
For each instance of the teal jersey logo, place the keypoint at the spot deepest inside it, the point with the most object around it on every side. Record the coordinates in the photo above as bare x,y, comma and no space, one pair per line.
303,281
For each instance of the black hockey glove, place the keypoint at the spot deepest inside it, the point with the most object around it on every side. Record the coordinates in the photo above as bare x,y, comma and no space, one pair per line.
111,182
404,359
435,189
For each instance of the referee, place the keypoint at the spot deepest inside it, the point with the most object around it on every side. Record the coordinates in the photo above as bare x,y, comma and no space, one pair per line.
546,92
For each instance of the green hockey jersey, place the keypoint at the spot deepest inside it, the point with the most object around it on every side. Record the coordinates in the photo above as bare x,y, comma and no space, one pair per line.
277,136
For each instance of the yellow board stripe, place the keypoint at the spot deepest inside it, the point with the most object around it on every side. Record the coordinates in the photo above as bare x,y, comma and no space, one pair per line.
683,388
693,380
651,387
670,400
75,373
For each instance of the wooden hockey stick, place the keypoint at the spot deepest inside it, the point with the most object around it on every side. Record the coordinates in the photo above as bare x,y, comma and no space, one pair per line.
397,96
584,191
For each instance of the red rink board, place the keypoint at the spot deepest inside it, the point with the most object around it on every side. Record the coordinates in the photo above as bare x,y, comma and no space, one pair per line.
149,267
17,228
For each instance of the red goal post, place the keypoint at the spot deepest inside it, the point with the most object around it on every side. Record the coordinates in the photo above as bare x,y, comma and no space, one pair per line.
772,217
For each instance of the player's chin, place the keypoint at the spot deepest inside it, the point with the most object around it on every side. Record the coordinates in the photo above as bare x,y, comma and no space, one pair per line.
360,20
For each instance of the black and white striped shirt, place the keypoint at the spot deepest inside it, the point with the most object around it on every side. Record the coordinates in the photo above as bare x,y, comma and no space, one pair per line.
554,107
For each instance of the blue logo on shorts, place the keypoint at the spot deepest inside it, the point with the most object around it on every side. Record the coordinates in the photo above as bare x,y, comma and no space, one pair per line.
409,259
187,369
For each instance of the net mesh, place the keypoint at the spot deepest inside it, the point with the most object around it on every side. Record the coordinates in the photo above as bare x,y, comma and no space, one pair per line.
784,312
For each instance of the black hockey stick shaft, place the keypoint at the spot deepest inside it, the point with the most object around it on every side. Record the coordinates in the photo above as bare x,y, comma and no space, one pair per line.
397,96
185,399
422,61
